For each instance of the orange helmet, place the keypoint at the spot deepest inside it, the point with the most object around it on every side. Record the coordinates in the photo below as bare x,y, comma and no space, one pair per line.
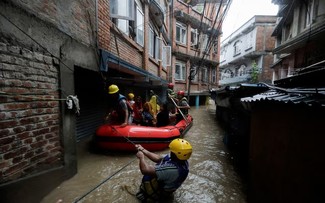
182,93
170,85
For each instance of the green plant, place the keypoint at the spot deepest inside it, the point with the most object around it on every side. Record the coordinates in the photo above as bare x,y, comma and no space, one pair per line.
254,73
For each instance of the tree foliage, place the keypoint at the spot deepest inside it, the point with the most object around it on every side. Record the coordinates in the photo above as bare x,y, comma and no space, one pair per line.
254,72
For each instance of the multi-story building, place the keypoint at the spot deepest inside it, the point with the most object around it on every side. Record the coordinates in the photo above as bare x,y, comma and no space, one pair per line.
299,36
248,51
53,53
196,35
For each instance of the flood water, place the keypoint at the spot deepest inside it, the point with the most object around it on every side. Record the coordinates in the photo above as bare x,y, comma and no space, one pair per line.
212,177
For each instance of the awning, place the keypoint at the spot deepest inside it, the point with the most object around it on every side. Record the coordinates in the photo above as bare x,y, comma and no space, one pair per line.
110,61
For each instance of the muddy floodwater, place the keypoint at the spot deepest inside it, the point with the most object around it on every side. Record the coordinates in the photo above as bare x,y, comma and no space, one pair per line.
212,177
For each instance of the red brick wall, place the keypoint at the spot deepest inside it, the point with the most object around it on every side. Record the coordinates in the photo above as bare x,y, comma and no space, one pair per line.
265,43
104,24
76,18
264,40
29,113
126,50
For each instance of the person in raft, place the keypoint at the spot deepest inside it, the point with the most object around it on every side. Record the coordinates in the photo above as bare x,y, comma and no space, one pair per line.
120,112
160,181
182,105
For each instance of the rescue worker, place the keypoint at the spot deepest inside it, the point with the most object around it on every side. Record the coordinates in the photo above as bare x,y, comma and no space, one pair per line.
121,112
130,101
171,95
160,181
182,106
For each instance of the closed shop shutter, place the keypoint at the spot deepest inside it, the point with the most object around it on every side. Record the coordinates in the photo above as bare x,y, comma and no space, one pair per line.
92,97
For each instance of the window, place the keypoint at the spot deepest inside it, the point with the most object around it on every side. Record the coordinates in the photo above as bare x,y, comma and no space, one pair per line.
166,56
214,76
237,48
122,9
215,47
309,13
249,40
123,25
154,44
204,75
204,42
139,26
194,73
180,70
158,43
133,27
151,42
194,37
181,33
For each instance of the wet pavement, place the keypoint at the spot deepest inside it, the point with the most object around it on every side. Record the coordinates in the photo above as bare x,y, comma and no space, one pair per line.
115,177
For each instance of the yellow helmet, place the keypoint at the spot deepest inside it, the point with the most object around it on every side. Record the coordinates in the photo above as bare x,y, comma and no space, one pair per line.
131,95
112,89
181,148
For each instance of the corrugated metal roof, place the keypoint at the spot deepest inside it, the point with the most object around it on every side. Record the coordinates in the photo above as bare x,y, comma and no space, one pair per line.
307,96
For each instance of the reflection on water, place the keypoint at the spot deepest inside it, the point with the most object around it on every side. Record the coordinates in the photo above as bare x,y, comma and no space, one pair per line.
211,179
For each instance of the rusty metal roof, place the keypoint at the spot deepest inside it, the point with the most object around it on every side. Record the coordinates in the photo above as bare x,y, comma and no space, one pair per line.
307,96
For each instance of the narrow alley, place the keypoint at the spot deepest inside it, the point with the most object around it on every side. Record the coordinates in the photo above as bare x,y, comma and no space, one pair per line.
212,177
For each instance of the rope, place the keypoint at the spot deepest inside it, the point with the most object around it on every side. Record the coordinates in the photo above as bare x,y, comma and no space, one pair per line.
83,196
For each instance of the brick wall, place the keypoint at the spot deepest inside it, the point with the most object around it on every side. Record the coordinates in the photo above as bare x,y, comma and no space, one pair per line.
126,50
104,24
76,18
266,43
29,112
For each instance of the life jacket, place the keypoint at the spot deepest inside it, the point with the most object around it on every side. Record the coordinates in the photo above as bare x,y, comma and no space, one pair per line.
130,109
152,189
120,112
184,111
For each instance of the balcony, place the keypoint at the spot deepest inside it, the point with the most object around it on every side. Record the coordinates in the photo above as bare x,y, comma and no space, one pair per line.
195,23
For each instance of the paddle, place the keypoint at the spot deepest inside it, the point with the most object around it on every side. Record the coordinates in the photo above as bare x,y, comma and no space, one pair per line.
178,109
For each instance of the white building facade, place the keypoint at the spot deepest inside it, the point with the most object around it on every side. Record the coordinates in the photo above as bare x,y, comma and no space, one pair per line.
249,46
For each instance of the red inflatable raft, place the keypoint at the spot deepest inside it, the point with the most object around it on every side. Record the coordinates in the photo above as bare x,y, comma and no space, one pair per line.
116,138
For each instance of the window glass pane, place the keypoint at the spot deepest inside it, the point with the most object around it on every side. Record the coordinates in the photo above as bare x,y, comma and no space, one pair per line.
180,70
166,56
181,33
151,42
194,36
140,27
177,72
178,34
123,25
158,48
122,9
183,72
183,36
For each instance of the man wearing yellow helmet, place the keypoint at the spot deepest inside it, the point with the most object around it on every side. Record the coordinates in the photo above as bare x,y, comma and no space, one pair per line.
170,171
120,107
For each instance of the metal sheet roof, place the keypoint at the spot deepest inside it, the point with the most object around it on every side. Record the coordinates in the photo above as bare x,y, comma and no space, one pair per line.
307,96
